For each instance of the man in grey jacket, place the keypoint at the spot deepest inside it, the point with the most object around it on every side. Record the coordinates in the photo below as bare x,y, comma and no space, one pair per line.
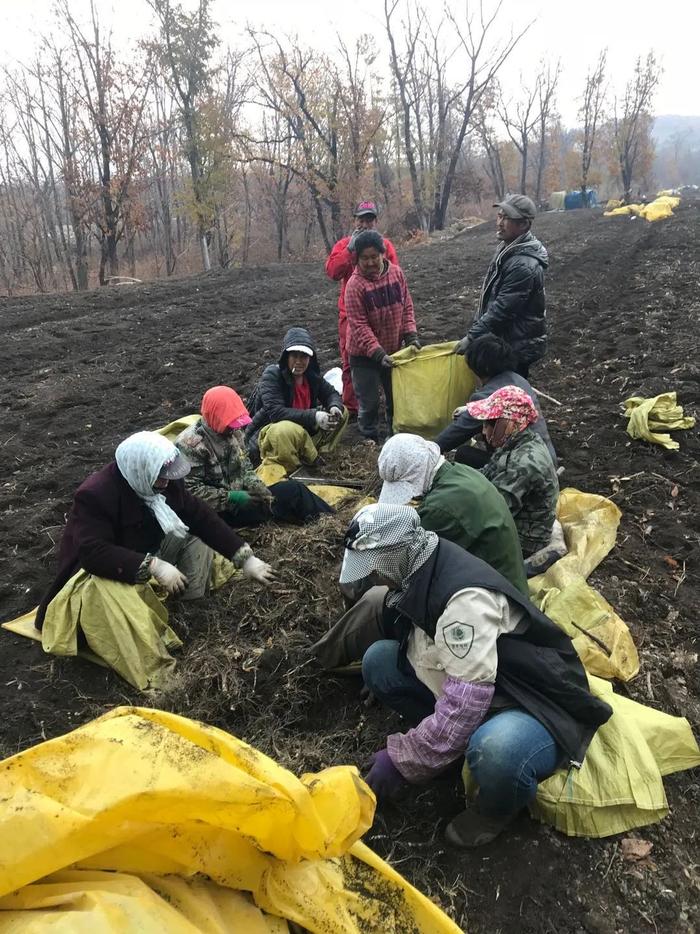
512,303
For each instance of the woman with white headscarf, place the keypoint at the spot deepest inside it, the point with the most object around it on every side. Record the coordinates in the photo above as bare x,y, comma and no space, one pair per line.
455,501
130,522
471,664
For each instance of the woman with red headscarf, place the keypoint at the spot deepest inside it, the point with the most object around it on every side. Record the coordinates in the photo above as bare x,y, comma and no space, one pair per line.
521,466
221,472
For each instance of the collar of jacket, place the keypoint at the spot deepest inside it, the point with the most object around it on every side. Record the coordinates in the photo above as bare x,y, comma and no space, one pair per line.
385,270
505,250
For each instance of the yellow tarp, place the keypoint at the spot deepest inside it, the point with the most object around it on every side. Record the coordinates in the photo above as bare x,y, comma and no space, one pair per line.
646,416
601,638
158,799
657,210
620,784
427,387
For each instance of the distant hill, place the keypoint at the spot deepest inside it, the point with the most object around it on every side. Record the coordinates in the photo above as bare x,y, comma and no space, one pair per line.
668,126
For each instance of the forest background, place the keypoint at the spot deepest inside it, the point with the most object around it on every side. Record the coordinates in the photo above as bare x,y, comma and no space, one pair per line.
180,150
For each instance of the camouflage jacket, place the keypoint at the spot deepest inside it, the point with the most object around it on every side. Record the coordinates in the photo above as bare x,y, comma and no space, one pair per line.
523,472
218,465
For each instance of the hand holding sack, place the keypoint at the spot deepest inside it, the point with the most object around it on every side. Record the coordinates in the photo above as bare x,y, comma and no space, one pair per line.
383,777
259,571
387,361
168,576
323,420
462,345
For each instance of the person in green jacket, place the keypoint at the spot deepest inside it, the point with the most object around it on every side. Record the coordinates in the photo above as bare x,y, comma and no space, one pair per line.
458,503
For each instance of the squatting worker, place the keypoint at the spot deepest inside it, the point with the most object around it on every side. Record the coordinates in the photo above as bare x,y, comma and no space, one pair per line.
380,315
456,502
512,302
296,413
132,521
221,472
340,266
520,467
474,668
494,364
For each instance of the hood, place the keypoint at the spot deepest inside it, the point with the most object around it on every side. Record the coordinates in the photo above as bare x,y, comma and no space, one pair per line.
298,336
529,246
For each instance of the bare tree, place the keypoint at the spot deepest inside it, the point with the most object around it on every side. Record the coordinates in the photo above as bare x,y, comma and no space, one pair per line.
631,118
546,91
590,114
520,121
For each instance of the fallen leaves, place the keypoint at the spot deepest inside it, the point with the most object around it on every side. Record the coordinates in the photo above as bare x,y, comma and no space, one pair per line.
636,850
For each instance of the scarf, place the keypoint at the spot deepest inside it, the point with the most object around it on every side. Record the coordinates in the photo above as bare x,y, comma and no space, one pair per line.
388,540
222,405
407,464
140,458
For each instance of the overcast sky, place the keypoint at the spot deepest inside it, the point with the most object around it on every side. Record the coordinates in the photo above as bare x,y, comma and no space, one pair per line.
627,27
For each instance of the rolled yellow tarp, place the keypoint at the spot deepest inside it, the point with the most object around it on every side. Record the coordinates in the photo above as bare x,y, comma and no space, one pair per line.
160,801
647,416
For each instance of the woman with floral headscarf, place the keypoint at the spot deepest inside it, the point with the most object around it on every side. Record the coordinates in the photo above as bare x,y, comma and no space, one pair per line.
471,664
223,476
130,522
520,467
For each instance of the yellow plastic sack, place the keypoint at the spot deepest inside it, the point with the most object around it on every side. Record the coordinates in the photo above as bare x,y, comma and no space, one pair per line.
646,416
657,210
427,387
620,784
601,638
150,795
173,429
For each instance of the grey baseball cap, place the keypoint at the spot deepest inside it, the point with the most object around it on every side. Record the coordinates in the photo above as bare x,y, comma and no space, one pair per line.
518,207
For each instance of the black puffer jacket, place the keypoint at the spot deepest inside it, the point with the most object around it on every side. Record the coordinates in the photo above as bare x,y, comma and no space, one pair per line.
271,400
512,304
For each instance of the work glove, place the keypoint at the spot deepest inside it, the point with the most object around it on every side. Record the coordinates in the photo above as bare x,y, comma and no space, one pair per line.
168,575
323,420
462,345
383,777
412,340
336,413
459,411
387,361
353,237
238,497
257,570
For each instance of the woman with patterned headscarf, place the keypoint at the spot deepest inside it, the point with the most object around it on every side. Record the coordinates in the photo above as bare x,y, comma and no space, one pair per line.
131,522
520,467
470,663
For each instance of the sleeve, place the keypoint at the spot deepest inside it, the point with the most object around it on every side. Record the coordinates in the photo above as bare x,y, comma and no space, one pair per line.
463,428
196,480
408,325
339,264
205,524
468,655
514,289
273,401
512,480
98,552
391,252
364,338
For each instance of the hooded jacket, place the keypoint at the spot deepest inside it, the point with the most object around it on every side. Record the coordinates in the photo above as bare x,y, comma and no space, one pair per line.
271,400
512,303
538,667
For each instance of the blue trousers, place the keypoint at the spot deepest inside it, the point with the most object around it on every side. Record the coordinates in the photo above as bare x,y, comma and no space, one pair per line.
508,755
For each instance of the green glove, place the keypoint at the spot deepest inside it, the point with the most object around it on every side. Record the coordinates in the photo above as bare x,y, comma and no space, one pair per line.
238,497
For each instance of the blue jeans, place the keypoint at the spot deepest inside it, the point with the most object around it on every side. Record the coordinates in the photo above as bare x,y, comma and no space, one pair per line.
508,755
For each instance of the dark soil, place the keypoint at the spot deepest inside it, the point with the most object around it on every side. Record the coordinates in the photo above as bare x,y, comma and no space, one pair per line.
80,372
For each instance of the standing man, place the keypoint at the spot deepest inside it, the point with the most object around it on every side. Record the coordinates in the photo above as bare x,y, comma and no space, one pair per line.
512,303
340,265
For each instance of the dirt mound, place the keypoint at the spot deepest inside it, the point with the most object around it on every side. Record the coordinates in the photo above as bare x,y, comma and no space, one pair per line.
80,372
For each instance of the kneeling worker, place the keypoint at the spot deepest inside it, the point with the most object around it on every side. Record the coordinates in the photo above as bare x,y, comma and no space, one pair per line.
296,413
130,522
474,668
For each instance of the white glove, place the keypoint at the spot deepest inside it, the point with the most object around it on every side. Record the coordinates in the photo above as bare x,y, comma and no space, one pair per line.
458,411
336,413
323,420
168,575
258,570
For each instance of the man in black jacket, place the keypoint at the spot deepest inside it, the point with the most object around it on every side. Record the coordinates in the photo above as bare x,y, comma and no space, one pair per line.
512,303
296,413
